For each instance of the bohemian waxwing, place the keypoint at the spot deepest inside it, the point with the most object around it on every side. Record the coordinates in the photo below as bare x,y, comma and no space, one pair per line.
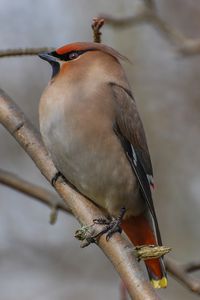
91,126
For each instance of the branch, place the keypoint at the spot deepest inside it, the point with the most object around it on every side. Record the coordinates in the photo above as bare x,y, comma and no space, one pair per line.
144,14
180,273
117,249
147,14
192,267
96,26
25,51
34,191
190,47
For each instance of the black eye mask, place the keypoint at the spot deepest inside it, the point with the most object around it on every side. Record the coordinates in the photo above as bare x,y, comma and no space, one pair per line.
70,55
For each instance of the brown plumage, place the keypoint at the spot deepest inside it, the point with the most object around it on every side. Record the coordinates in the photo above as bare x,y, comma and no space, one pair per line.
92,129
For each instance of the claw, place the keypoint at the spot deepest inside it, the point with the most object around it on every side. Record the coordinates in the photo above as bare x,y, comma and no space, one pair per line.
55,177
101,221
116,228
112,225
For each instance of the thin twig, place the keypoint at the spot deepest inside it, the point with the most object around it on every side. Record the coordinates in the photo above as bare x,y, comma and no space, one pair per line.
96,26
147,14
23,51
44,196
192,267
185,46
190,47
180,273
117,249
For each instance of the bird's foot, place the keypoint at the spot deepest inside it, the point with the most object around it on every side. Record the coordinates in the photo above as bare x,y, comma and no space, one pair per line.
60,175
112,225
90,234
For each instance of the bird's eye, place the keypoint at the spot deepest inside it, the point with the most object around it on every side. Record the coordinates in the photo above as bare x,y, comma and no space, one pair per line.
73,55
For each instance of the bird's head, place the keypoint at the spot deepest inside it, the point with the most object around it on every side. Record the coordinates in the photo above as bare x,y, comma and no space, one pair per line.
77,54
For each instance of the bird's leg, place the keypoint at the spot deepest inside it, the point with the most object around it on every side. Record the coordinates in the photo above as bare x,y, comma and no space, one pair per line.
112,225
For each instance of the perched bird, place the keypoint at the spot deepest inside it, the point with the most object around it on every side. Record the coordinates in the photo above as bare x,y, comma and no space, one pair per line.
91,127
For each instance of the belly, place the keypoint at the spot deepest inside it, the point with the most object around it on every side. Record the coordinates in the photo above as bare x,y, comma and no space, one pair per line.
105,176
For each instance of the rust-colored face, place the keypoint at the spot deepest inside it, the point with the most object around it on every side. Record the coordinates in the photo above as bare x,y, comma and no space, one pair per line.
73,51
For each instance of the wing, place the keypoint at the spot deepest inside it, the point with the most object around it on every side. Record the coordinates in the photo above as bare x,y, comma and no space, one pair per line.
129,129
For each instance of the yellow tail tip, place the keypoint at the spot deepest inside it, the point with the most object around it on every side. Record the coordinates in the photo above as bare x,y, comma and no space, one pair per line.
161,283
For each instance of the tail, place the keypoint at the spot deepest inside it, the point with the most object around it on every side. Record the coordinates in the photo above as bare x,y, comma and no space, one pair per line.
140,231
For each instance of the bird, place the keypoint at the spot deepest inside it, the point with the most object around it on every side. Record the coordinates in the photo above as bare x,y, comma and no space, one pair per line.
92,129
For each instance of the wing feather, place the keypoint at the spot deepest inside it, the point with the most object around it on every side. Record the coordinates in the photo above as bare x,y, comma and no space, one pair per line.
129,128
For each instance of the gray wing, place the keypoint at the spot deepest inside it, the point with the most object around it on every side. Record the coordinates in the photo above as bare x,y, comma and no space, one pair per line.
129,129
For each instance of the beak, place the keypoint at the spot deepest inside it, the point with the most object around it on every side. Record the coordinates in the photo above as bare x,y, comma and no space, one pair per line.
48,57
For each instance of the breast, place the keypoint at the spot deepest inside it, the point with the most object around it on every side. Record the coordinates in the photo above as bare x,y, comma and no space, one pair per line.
80,138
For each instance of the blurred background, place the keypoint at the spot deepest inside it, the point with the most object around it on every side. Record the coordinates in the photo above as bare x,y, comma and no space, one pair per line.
40,261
